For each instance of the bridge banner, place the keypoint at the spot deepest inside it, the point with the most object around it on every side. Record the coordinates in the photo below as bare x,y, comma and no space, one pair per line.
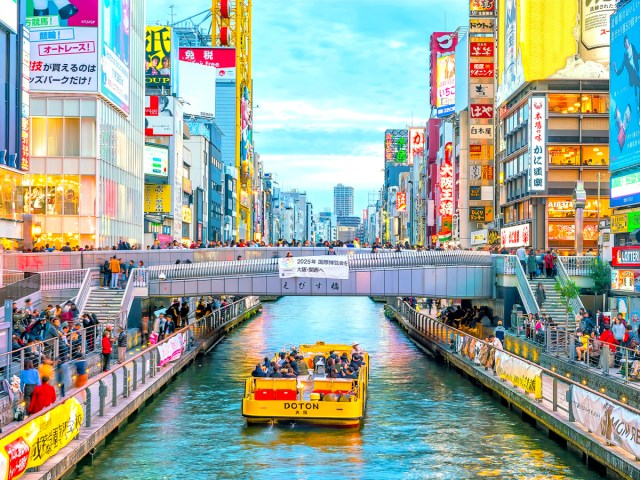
330,266
521,374
625,430
41,438
172,349
591,411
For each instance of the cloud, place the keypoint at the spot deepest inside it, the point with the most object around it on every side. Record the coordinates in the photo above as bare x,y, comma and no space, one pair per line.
395,44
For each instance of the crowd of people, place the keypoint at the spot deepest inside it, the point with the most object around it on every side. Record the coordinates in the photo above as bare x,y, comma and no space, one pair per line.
293,364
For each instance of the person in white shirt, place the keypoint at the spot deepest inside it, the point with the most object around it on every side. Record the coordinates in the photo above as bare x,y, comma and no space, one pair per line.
356,349
494,342
521,253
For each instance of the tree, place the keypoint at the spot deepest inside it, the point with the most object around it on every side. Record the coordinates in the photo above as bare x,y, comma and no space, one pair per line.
567,292
601,276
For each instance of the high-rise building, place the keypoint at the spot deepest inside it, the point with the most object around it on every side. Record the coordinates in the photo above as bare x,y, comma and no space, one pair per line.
342,200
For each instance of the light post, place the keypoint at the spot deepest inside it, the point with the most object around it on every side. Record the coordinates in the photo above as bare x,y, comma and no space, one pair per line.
579,201
411,216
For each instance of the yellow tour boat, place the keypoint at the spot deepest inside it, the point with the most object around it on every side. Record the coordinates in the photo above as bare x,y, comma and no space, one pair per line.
312,399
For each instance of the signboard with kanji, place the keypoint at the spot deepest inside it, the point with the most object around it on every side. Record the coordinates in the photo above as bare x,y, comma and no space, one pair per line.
396,146
538,143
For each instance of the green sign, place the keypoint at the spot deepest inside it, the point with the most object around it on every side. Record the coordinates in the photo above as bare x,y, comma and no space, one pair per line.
633,221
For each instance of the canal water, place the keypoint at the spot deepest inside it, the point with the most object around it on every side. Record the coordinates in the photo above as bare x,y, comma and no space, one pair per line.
423,421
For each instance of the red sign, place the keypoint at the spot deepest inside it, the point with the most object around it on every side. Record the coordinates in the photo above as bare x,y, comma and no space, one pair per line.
478,110
446,188
478,8
626,257
481,49
401,201
18,452
441,43
209,56
481,70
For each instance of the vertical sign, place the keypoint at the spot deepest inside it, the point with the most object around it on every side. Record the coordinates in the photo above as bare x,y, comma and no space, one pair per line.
537,143
396,146
157,62
401,201
443,72
416,145
25,139
115,61
446,189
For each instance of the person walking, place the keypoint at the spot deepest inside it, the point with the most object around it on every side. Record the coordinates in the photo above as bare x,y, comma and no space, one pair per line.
144,330
106,350
43,396
29,380
521,253
114,264
532,264
549,263
122,345
541,295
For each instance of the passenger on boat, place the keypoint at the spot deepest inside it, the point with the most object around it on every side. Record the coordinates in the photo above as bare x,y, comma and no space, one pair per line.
293,365
276,373
302,365
266,363
356,349
287,372
258,372
282,360
349,373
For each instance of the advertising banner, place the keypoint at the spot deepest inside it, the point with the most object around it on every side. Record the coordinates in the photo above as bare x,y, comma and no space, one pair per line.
624,112
335,267
520,373
479,8
445,207
68,63
157,63
9,14
442,44
41,438
480,237
200,97
396,146
114,62
538,144
25,137
157,198
158,116
445,84
518,236
223,59
625,189
625,428
156,160
401,201
626,256
172,349
60,13
590,410
540,39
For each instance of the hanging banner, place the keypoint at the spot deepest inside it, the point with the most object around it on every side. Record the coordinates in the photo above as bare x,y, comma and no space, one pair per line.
41,438
336,267
625,426
172,349
590,410
521,374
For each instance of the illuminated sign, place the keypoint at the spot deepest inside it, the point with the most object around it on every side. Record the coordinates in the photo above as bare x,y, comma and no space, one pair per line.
475,193
396,146
481,70
481,131
518,236
567,232
538,143
480,152
479,237
481,8
480,214
481,48
625,280
401,201
157,62
416,145
477,110
156,160
625,189
116,52
187,216
626,257
481,91
619,223
441,43
223,59
446,188
446,85
25,135
482,25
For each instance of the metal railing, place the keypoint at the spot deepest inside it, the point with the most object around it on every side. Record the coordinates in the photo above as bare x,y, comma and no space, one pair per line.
108,388
510,265
128,296
62,279
578,266
269,266
556,389
575,304
11,276
85,288
21,289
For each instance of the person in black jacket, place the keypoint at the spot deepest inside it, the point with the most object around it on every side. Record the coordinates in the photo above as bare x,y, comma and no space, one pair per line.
174,311
122,345
170,326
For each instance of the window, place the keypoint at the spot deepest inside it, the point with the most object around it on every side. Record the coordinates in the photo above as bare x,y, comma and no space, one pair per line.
595,103
564,155
596,155
63,136
564,103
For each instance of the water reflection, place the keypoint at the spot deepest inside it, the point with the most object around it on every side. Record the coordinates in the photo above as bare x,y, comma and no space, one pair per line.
423,420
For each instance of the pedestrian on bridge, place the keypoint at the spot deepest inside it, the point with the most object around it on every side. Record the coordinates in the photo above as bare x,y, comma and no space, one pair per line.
106,350
122,345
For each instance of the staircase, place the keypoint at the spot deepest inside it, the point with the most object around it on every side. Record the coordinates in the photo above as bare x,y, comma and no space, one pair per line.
104,303
552,306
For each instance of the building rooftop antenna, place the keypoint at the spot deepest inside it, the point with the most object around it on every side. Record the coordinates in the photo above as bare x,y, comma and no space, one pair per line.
172,14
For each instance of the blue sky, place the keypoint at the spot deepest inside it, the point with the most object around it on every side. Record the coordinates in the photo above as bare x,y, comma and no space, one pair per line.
329,77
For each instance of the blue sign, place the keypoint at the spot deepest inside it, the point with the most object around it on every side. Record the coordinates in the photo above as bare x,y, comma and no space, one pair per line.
624,114
445,111
625,188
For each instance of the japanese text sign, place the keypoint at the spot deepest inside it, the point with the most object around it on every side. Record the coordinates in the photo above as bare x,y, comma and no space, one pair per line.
158,57
517,236
416,145
396,146
538,143
336,267
401,201
480,8
446,189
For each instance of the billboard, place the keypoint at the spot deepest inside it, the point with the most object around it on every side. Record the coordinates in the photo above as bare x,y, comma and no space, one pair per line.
396,146
63,59
114,81
416,145
446,85
59,13
9,14
624,114
441,43
158,115
157,198
222,58
156,160
540,39
480,8
200,96
157,62
625,188
538,143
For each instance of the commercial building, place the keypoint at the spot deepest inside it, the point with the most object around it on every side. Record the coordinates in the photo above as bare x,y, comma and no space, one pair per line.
326,225
553,105
14,126
342,200
87,113
293,217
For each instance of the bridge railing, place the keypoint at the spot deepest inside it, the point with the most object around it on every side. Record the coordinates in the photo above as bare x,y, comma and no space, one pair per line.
371,261
575,304
510,265
577,266
62,279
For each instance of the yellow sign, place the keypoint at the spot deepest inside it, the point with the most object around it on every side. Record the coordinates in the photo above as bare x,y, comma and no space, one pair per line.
520,373
157,64
157,198
480,152
619,223
187,216
540,39
32,444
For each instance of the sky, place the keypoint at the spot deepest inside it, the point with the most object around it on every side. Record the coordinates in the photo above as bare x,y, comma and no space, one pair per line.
330,76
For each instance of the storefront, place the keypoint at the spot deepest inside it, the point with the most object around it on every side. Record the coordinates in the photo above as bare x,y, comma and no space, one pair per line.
11,208
561,230
625,281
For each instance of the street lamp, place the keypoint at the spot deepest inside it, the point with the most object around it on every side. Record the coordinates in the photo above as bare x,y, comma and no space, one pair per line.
579,201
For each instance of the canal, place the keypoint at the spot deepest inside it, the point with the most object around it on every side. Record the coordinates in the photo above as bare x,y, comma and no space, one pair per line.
423,420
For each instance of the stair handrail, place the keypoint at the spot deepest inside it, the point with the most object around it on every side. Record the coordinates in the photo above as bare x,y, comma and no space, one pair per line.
575,304
136,278
512,264
85,290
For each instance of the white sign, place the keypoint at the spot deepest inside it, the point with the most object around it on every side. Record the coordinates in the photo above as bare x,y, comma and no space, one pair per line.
538,143
479,237
64,59
481,132
156,161
590,410
200,91
481,90
9,14
158,115
416,145
625,428
330,266
172,349
518,236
